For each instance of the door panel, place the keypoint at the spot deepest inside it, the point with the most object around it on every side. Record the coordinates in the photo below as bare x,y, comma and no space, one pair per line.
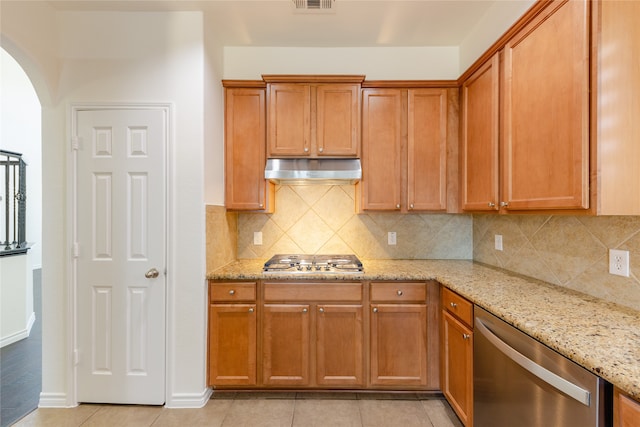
120,222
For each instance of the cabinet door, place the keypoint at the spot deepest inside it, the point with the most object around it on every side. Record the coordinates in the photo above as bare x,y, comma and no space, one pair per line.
399,344
339,345
232,344
457,366
245,186
546,112
285,346
427,150
338,120
289,120
626,411
480,138
382,124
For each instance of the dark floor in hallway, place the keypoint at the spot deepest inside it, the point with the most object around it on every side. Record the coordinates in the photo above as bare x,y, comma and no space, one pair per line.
21,367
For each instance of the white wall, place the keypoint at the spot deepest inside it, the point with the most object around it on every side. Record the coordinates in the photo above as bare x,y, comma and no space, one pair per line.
376,63
120,58
20,131
495,22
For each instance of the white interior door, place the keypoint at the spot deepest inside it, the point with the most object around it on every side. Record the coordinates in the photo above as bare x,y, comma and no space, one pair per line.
120,255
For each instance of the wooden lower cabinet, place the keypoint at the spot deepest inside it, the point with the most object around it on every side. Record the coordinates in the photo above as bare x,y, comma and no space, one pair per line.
457,354
398,344
319,335
285,344
339,345
457,367
327,341
232,344
626,411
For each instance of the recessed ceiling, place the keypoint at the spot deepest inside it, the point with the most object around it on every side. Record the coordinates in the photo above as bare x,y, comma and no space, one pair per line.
352,23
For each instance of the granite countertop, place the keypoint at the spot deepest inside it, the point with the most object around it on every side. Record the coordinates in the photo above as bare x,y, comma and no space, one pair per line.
602,337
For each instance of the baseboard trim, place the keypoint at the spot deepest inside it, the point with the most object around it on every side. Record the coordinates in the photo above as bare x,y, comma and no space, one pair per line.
54,400
189,400
20,335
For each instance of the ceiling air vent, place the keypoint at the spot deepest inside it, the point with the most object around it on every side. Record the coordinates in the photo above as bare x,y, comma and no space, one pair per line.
313,6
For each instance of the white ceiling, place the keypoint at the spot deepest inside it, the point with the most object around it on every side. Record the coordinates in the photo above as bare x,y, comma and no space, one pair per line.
354,23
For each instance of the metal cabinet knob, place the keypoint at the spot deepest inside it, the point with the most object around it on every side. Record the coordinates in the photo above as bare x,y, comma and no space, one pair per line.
304,310
398,206
492,205
306,149
321,310
152,274
400,293
453,304
320,149
411,206
251,310
504,204
466,336
261,205
375,309
232,292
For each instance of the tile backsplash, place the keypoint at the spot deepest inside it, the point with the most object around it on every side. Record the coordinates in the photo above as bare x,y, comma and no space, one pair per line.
570,251
322,219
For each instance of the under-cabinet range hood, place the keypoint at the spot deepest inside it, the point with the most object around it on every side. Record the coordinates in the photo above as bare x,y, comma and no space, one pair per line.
313,171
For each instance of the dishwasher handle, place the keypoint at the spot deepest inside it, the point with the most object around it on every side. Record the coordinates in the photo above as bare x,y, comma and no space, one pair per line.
567,387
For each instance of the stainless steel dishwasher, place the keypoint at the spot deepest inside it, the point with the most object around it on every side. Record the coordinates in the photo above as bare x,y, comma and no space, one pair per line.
519,382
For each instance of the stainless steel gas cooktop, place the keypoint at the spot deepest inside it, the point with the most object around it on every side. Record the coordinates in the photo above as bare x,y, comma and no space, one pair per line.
317,264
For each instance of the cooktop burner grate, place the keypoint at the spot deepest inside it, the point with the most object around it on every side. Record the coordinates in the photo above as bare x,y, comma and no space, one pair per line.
297,264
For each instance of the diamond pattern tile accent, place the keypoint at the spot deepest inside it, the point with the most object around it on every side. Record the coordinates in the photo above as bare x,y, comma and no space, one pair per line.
322,219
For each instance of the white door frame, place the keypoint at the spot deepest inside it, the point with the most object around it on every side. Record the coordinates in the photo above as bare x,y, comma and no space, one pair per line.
71,234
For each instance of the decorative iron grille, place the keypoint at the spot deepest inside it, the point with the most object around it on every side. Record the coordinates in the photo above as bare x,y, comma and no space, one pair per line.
13,201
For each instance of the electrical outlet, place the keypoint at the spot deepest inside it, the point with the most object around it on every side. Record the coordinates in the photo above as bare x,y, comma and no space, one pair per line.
257,238
498,242
619,262
391,238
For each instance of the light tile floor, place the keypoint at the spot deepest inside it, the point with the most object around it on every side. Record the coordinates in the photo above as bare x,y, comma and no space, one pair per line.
263,409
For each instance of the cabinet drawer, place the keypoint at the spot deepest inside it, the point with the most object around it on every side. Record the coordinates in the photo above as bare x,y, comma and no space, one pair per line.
398,291
458,306
313,292
232,291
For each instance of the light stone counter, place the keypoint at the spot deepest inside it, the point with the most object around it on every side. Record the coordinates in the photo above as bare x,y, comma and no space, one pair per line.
601,336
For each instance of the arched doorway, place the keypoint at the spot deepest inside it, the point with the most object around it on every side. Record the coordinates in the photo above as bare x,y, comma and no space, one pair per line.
20,358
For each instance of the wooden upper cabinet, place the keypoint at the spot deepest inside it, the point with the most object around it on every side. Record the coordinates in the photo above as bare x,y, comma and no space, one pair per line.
427,150
245,139
383,120
480,138
546,111
313,116
337,120
616,83
404,149
289,120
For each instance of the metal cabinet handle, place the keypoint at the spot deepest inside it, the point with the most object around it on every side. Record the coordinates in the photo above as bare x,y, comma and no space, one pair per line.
321,310
375,309
399,292
152,274
304,310
232,292
492,205
251,310
453,304
466,336
504,204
